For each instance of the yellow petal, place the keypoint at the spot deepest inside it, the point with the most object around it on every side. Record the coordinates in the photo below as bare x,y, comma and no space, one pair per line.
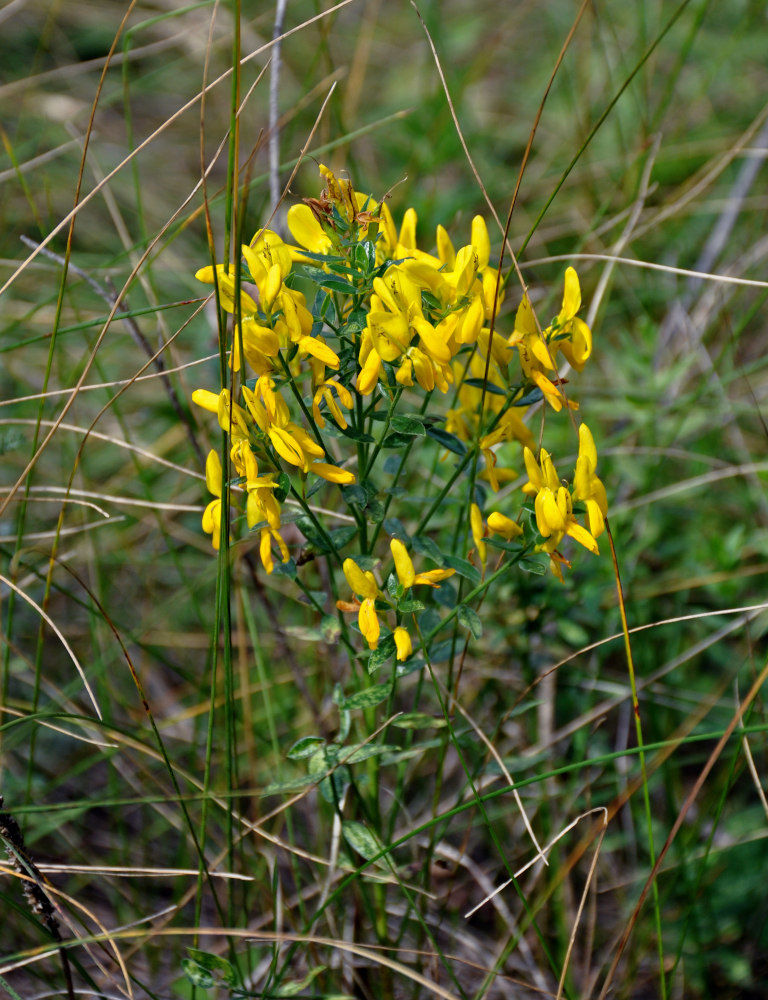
403,565
362,584
407,237
402,643
432,577
213,478
582,536
319,350
306,230
481,241
332,473
369,622
571,297
502,525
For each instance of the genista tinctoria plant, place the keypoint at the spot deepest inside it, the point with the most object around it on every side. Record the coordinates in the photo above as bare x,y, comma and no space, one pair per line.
392,363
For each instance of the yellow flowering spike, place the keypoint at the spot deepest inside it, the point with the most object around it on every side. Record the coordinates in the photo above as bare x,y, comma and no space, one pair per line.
403,565
332,473
361,583
478,532
403,643
500,524
369,622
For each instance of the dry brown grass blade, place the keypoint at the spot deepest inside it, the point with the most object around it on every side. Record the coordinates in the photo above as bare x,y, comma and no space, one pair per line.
691,798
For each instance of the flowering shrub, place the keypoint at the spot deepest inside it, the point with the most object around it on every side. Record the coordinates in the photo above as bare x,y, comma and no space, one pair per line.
393,362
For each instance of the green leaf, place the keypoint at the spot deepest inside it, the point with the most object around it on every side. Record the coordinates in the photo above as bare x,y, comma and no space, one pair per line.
534,396
397,440
203,964
410,607
375,511
354,495
464,568
502,543
330,629
283,487
446,595
533,565
331,281
379,656
425,546
362,840
441,651
478,383
294,988
395,527
367,698
470,620
418,720
355,321
449,441
355,435
407,424
372,750
305,747
343,536
285,569
289,785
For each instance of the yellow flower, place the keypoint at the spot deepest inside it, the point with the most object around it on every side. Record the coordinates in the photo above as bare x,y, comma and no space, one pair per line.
406,574
403,643
332,473
266,536
368,622
232,418
478,532
325,392
500,524
212,513
552,394
586,485
553,505
577,346
362,583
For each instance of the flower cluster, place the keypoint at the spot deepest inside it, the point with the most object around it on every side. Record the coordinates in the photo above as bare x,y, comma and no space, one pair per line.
328,333
367,593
